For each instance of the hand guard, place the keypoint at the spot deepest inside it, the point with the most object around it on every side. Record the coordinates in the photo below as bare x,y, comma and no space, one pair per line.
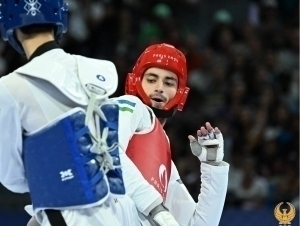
209,148
160,216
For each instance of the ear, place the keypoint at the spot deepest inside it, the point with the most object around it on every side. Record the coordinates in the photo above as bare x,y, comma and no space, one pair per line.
130,85
183,98
19,35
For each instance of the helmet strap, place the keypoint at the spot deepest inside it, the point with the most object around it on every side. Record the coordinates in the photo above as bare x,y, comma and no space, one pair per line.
159,113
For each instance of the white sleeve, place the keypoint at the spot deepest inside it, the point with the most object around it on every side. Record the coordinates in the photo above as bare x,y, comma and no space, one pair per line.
179,201
143,194
134,116
208,210
214,182
12,174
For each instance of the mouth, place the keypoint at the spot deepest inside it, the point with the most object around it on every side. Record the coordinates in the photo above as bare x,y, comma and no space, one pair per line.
158,102
157,99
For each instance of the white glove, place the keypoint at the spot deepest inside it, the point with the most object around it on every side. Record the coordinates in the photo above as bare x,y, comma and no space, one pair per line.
160,216
164,218
210,145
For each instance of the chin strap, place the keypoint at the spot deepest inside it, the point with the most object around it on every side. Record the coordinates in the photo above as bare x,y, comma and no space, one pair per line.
159,113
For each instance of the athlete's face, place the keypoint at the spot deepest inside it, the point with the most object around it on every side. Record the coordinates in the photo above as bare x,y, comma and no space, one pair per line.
160,86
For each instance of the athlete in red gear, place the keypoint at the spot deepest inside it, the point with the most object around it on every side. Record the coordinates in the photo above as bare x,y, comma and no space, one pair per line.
159,80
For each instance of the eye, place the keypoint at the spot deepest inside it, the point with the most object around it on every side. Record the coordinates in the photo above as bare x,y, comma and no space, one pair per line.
170,84
150,80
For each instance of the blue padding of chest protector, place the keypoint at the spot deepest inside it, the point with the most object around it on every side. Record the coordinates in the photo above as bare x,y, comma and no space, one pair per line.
115,178
60,169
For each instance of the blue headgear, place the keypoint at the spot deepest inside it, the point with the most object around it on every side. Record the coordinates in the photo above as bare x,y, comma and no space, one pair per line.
20,13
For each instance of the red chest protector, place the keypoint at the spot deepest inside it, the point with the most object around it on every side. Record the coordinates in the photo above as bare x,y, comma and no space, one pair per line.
151,154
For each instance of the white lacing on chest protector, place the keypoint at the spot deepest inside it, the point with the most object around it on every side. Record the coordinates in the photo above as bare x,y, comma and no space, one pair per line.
100,146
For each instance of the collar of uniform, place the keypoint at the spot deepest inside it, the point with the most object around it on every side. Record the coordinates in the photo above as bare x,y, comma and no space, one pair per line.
44,48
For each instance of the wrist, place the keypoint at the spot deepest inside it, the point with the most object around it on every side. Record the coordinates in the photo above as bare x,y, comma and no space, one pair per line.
158,209
154,204
221,163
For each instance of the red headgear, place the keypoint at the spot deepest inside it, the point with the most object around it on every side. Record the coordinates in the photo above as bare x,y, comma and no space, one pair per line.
162,56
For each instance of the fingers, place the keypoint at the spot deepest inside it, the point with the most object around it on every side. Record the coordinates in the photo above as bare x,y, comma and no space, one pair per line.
196,148
218,133
208,127
206,134
208,131
191,138
202,132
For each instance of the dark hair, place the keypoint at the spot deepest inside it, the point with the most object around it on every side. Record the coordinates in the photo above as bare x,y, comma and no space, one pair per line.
37,28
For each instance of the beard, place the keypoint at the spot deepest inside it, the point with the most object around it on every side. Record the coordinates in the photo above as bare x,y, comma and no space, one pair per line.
157,105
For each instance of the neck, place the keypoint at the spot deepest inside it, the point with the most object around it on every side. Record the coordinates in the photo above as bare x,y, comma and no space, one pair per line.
30,44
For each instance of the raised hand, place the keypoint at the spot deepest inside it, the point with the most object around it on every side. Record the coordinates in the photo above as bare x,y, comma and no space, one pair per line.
210,144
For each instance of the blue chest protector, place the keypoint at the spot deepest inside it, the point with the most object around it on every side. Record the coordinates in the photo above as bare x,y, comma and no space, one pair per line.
61,170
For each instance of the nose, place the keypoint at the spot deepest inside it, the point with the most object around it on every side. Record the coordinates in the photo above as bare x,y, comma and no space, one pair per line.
159,90
159,87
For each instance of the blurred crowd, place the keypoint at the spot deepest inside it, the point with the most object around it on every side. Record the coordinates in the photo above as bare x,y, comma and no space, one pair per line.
243,75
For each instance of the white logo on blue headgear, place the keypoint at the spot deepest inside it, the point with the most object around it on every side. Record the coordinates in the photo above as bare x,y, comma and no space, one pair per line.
101,78
32,6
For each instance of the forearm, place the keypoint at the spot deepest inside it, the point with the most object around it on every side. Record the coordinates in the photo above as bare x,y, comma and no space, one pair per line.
212,195
145,196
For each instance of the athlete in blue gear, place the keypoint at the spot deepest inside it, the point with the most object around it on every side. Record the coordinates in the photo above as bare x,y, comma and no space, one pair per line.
60,142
